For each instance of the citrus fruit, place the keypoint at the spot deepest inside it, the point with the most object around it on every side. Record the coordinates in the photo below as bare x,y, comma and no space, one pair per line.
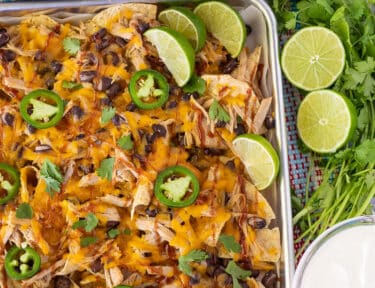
224,23
313,58
259,158
187,23
325,120
175,51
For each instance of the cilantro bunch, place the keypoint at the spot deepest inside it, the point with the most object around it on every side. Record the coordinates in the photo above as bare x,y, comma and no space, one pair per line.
348,175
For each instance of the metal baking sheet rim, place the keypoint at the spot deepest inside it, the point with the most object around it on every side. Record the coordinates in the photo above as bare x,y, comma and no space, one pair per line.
283,207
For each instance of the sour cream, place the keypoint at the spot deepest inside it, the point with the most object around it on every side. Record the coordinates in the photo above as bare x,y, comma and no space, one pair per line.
345,259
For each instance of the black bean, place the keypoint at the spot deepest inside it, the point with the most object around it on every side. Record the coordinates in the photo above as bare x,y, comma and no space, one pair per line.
56,66
172,104
131,107
104,84
270,122
8,55
96,266
175,90
142,27
42,148
101,130
91,59
102,44
269,279
147,254
151,212
229,66
150,138
87,76
248,29
186,96
80,136
86,169
50,83
194,280
8,119
77,112
120,42
240,129
230,164
117,120
214,151
220,124
4,37
114,90
255,273
179,139
62,282
257,222
218,270
244,284
39,56
106,101
20,153
159,130
99,34
115,59
141,132
31,129
111,224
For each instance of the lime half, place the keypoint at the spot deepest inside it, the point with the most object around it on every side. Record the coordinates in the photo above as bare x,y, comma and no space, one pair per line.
259,157
187,23
313,58
326,120
224,23
175,51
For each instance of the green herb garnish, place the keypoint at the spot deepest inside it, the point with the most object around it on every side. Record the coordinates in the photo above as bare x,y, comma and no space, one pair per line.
24,211
50,173
106,167
217,112
71,45
193,255
126,142
230,243
107,114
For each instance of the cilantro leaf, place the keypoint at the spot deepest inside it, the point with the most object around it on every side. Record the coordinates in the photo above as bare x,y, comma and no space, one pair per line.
107,114
24,211
113,233
127,231
126,142
71,45
89,223
237,273
71,85
193,255
217,112
230,243
87,241
50,173
106,167
365,152
195,84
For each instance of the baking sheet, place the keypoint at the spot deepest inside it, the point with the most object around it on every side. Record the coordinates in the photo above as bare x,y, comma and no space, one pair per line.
258,15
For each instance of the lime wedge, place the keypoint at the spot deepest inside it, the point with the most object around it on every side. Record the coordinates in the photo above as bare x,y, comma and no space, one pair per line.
313,58
175,51
326,120
224,23
187,23
259,157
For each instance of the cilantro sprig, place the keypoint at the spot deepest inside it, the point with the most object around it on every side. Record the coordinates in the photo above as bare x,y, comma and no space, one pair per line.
24,211
107,114
230,243
89,223
71,45
126,142
51,174
106,168
237,273
192,256
71,85
217,112
195,84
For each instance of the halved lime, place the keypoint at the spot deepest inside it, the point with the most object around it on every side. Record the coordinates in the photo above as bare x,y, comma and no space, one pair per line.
259,157
224,23
326,120
175,51
187,23
313,58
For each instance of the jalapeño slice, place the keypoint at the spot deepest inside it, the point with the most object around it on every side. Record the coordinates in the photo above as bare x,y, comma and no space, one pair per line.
37,110
9,181
176,186
22,263
148,89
